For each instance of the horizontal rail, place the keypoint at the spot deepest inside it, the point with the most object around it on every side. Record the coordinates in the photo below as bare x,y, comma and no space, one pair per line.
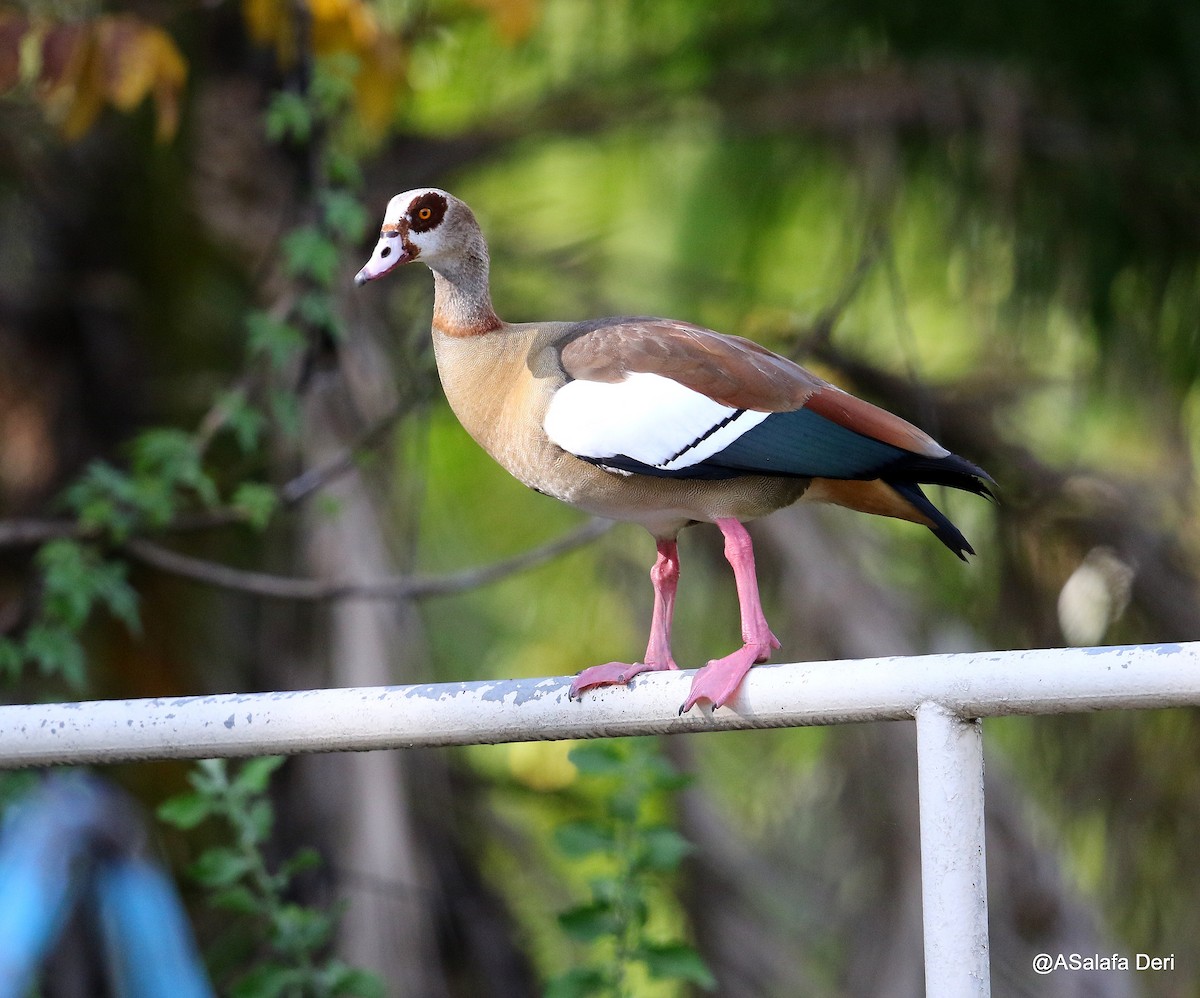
968,685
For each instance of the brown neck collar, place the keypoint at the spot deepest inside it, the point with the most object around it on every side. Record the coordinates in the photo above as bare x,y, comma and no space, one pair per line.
462,303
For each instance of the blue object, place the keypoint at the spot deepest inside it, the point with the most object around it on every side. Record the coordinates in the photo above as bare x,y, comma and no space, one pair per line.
146,933
77,841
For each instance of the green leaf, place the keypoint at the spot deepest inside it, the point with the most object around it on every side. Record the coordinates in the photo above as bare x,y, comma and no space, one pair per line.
12,658
304,859
257,502
285,408
332,85
581,982
636,912
678,961
74,577
165,460
164,450
185,811
210,776
289,117
603,757
100,512
56,652
344,215
663,773
590,921
605,889
155,499
16,785
260,818
220,866
344,169
316,309
239,899
340,979
577,839
308,252
275,339
626,805
104,498
662,849
244,420
255,774
269,980
118,595
69,587
300,930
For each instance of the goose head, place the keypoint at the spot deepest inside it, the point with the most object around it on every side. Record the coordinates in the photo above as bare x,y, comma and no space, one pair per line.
429,225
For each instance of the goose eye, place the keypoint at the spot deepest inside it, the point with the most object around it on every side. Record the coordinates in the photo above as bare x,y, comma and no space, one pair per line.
426,212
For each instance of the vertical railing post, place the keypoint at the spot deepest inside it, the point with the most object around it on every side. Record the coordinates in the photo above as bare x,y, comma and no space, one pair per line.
953,874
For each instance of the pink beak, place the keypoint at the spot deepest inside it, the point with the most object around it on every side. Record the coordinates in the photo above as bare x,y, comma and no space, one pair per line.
389,254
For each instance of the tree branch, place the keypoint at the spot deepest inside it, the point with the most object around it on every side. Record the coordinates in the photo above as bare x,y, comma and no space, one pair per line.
27,533
311,480
317,590
31,532
820,333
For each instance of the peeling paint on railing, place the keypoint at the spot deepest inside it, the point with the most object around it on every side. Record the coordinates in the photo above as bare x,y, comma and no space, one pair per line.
945,693
983,684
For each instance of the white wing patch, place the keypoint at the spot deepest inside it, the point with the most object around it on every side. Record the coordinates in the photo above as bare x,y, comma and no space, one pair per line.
647,417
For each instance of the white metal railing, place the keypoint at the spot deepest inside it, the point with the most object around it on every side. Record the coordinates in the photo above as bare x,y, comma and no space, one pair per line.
946,694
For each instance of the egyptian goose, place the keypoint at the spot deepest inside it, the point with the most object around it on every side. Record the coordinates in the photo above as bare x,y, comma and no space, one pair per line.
661,423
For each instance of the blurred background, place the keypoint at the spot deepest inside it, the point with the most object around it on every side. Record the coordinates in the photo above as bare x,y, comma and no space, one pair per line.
983,217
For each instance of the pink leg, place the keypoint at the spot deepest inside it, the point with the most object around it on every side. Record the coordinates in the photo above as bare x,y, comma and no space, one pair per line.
719,680
665,577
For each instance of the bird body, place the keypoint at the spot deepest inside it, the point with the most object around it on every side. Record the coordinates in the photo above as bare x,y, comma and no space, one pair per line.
515,413
658,422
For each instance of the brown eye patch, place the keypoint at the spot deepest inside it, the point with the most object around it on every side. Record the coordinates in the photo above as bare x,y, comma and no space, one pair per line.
426,212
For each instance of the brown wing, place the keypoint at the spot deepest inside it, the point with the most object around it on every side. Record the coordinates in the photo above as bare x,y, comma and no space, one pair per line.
728,369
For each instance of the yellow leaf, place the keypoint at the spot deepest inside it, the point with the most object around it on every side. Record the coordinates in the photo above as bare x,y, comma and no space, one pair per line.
129,53
86,96
71,78
168,86
342,26
139,60
377,87
118,60
269,23
514,19
335,27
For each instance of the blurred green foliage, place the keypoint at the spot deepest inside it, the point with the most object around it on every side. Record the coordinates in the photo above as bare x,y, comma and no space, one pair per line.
279,947
1002,201
626,847
1023,186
